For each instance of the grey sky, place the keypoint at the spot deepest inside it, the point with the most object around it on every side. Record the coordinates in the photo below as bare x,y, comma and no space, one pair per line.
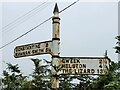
0,37
87,29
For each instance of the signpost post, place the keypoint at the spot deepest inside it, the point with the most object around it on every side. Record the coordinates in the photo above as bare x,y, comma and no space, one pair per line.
63,65
55,49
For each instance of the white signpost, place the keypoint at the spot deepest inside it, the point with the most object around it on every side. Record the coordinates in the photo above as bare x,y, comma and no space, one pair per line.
68,65
33,49
84,65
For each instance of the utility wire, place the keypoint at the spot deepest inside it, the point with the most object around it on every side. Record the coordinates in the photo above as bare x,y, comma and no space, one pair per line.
68,6
25,33
36,26
23,19
16,20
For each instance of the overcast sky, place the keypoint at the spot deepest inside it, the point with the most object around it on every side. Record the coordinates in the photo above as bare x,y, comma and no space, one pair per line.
87,29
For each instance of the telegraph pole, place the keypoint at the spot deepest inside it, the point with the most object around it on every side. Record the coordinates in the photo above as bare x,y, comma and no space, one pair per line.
55,49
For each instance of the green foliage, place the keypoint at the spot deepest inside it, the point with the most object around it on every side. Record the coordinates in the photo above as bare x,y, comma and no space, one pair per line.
41,75
40,79
85,82
65,82
110,81
118,45
13,68
13,80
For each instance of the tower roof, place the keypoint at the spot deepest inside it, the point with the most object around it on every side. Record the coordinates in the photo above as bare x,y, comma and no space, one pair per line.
56,8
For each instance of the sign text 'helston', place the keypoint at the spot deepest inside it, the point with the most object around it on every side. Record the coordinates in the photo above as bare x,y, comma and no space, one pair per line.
33,49
84,65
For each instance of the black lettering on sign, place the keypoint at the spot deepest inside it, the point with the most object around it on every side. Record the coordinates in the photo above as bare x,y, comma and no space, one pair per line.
41,50
104,65
63,60
82,65
78,60
70,71
92,71
24,54
65,71
37,46
21,54
75,71
63,65
73,65
71,60
26,47
16,49
100,71
46,44
105,61
100,66
84,71
20,48
100,61
80,70
105,71
76,65
74,60
29,52
48,50
16,54
66,65
67,61
34,51
32,45
88,70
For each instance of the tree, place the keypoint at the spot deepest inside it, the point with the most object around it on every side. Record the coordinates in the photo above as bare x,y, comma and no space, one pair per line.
110,81
85,82
14,79
118,45
41,75
65,82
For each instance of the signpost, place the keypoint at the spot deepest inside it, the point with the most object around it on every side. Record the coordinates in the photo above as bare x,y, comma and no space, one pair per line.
84,65
33,49
68,65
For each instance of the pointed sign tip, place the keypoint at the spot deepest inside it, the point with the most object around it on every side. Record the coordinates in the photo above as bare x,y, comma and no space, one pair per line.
105,53
56,8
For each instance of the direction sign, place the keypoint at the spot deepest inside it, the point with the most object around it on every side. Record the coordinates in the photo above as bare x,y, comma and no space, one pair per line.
33,49
84,65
